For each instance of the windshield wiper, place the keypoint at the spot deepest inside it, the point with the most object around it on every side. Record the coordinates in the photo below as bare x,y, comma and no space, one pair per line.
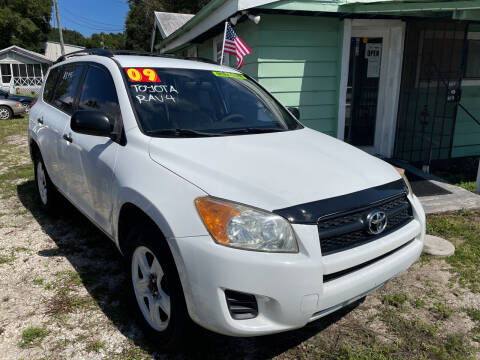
252,130
180,132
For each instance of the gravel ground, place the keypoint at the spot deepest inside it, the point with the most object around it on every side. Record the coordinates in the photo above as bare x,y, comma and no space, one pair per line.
62,296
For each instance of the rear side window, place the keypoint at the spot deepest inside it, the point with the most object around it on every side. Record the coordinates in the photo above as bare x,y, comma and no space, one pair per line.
67,87
98,93
50,84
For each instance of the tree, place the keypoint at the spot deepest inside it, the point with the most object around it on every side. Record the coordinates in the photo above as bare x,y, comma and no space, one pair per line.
107,41
71,37
25,23
139,22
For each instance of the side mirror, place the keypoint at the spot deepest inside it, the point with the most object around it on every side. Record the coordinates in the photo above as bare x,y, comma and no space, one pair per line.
295,112
91,122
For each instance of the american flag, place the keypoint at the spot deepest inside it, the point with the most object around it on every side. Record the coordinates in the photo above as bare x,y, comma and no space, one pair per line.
235,46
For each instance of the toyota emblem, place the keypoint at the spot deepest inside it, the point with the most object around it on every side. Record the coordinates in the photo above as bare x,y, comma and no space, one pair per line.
377,222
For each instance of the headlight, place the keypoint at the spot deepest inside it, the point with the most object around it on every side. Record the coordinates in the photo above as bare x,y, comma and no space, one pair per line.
244,227
405,180
407,183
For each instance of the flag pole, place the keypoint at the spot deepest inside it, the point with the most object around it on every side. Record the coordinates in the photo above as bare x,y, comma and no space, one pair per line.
223,45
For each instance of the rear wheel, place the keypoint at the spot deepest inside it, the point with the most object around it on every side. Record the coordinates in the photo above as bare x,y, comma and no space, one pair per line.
156,288
47,192
5,113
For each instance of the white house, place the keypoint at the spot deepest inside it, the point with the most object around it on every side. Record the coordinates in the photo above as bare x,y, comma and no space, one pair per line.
21,70
53,50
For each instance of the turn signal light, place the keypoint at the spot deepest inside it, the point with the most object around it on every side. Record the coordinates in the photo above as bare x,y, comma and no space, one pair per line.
216,215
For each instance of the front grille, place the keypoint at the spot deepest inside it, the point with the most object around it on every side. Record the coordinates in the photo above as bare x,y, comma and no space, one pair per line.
346,230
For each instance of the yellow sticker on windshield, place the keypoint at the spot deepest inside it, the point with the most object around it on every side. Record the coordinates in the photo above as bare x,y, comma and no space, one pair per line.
230,75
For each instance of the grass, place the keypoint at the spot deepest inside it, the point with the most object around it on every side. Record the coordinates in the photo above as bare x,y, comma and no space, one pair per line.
461,172
95,346
7,259
467,185
11,154
33,336
407,339
441,310
473,314
65,300
397,300
38,281
463,229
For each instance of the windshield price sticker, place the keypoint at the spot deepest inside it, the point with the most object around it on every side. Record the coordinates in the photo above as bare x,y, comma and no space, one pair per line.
155,93
142,75
229,75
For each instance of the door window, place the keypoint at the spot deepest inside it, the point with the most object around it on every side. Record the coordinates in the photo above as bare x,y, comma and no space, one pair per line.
362,91
50,84
67,86
99,93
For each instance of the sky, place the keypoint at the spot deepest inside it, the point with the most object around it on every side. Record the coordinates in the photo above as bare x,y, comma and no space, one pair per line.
92,16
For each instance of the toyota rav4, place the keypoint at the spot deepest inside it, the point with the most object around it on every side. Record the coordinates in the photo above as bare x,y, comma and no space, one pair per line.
228,211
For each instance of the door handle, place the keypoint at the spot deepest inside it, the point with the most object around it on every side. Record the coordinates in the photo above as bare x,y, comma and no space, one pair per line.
40,120
68,137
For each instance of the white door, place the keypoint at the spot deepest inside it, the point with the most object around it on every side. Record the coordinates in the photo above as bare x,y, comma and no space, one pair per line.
92,158
370,84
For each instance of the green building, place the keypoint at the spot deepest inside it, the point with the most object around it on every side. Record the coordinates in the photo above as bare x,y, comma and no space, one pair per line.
399,79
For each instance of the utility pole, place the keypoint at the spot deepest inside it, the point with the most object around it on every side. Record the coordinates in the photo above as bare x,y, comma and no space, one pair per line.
62,46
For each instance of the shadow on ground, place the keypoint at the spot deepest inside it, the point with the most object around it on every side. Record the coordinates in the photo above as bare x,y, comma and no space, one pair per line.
101,269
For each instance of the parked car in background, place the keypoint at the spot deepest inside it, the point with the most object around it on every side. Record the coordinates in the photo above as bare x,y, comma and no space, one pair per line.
26,101
228,210
9,107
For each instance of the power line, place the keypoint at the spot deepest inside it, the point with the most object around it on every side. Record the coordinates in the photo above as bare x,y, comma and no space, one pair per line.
87,20
93,27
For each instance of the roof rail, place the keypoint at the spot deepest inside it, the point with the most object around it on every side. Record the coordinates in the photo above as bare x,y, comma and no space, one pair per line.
101,52
111,53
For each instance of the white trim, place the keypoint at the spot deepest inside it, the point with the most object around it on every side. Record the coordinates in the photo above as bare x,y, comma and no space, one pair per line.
393,34
477,187
342,96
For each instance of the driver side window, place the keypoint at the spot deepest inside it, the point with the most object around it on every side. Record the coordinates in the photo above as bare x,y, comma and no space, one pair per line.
99,93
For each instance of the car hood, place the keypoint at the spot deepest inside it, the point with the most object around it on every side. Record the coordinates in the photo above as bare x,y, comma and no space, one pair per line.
20,98
272,170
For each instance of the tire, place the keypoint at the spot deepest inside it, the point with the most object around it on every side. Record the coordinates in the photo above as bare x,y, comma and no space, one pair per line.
154,280
47,192
5,113
26,106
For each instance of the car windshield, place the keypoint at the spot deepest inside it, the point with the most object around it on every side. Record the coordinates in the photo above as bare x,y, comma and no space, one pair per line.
186,103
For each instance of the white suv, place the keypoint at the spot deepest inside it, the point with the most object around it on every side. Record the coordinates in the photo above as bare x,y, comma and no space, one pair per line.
228,210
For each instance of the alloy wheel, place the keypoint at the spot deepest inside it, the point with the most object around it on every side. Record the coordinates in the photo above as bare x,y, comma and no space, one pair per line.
4,113
42,183
151,288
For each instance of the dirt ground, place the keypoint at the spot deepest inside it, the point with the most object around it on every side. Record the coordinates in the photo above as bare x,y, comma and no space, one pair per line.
62,292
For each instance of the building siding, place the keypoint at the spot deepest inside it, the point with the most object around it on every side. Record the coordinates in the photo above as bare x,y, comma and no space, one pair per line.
298,61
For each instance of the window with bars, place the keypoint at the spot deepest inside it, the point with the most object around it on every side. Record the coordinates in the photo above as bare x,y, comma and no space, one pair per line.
27,70
6,73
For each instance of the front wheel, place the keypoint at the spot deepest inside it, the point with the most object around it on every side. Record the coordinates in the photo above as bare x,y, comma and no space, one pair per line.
156,288
5,113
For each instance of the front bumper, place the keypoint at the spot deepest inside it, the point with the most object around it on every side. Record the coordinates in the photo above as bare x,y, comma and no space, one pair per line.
17,110
289,288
